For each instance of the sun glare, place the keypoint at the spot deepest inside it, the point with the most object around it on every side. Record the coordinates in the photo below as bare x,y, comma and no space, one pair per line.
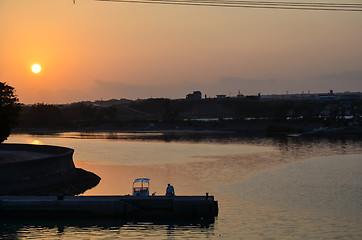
36,68
35,142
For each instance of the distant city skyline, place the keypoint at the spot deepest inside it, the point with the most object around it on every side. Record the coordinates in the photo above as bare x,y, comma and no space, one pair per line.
198,95
95,50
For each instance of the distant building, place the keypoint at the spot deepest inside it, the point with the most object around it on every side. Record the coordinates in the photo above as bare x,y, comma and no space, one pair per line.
239,95
327,97
196,95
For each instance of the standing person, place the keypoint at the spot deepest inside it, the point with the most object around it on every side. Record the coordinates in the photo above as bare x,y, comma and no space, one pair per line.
170,191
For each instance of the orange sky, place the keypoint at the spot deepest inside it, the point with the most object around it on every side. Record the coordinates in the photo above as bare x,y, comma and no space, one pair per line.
93,50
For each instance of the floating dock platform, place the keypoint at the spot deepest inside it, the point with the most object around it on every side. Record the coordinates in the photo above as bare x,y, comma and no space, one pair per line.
118,207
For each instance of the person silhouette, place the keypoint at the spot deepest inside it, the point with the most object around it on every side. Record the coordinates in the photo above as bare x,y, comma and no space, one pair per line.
170,191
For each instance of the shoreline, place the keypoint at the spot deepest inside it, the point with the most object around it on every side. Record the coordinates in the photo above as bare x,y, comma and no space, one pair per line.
253,131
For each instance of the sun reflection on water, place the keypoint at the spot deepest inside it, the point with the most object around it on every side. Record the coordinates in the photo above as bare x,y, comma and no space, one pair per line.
35,142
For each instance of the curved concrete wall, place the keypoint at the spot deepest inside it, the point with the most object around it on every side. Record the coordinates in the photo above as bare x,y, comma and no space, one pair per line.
25,176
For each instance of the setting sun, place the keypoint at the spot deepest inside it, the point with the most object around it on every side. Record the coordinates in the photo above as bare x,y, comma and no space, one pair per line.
36,68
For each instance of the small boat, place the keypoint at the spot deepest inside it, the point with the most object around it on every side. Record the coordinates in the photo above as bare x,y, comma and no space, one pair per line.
141,187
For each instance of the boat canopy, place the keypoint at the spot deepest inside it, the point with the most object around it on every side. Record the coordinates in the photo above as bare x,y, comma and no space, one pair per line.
142,180
141,187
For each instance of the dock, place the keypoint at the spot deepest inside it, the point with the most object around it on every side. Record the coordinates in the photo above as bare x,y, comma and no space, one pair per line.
125,207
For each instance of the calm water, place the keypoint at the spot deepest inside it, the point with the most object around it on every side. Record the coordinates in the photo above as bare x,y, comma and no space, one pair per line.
266,188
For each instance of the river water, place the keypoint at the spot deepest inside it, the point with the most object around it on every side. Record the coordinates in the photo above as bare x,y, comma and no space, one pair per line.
267,188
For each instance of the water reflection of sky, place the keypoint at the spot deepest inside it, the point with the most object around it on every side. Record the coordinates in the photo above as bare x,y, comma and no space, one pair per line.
331,184
103,229
139,152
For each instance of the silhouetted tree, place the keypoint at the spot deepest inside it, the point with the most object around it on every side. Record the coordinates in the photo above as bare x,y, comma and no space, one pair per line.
45,116
9,110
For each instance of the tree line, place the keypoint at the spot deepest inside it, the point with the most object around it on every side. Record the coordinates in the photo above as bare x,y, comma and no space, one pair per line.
141,114
82,115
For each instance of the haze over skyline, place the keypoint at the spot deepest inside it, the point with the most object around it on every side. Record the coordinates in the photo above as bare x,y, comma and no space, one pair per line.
92,50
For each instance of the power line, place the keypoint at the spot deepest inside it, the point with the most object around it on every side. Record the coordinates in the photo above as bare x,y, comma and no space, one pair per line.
320,6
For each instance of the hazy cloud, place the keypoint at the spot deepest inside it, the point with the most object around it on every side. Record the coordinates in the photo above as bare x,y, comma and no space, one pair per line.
346,75
246,86
340,82
226,85
101,89
106,89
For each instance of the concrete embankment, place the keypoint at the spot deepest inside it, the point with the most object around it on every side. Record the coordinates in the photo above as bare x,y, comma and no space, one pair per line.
119,207
25,168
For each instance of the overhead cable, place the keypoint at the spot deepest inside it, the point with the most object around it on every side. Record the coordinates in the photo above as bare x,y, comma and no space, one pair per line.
322,6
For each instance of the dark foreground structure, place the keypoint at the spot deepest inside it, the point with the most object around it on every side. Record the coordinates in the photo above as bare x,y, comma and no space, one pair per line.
27,169
117,207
